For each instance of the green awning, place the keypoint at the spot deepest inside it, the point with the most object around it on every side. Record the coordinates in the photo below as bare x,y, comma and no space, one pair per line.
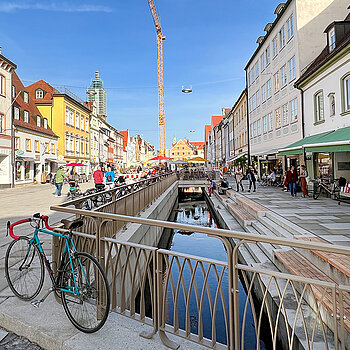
330,141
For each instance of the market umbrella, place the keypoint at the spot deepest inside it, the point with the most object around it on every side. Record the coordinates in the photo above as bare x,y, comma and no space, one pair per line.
160,158
75,164
198,159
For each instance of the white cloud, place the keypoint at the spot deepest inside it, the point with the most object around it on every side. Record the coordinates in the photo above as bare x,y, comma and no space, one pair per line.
52,6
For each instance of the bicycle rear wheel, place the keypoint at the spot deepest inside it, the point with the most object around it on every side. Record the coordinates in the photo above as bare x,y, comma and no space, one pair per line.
317,191
24,268
88,307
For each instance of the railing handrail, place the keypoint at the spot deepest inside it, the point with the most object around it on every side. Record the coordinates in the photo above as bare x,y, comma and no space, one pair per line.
246,237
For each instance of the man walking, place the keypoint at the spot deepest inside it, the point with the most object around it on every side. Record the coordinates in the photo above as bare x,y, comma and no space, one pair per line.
293,183
110,176
251,177
60,176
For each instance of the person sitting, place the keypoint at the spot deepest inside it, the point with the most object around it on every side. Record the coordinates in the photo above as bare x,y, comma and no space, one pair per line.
271,178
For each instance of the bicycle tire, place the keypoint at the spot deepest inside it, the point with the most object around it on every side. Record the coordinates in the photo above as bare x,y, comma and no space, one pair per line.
24,268
316,192
83,310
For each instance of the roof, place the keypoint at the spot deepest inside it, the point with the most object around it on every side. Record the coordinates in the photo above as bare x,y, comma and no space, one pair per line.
279,15
8,61
198,145
125,138
30,107
323,58
244,92
46,87
207,129
216,119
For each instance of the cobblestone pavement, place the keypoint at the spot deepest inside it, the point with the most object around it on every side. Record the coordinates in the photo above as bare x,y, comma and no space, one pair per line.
11,341
323,217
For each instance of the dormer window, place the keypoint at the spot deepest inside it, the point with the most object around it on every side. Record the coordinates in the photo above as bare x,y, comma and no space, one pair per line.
331,39
16,113
38,120
26,116
25,97
45,123
39,94
13,91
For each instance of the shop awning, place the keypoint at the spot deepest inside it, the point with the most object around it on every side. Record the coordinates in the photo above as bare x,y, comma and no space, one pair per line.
330,141
27,159
237,157
54,160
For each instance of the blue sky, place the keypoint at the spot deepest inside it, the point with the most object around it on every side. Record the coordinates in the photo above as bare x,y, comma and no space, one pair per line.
207,46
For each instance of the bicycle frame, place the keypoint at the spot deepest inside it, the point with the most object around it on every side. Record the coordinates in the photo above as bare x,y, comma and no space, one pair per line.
69,248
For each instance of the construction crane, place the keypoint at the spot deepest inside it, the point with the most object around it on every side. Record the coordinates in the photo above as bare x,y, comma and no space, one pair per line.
160,38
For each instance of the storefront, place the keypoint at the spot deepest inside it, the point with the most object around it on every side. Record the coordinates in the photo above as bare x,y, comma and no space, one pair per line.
24,169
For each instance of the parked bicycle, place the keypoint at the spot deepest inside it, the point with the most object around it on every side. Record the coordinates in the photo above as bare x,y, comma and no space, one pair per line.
330,189
80,282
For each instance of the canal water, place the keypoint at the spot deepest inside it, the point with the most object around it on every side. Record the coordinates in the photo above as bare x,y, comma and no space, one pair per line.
196,212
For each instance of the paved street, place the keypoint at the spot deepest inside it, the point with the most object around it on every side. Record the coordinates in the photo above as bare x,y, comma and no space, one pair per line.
323,217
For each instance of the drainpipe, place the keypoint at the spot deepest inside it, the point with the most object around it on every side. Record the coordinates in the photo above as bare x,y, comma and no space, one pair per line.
247,109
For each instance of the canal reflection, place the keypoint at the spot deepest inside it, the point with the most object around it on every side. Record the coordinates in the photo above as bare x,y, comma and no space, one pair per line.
199,244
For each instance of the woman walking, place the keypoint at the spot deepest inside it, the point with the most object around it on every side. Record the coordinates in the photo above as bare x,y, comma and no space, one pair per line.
239,177
293,183
303,184
251,177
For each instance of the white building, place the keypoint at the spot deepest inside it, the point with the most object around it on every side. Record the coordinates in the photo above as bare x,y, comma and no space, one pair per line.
35,143
326,96
288,46
6,155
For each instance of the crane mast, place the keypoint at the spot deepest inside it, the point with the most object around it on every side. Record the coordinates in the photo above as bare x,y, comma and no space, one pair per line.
161,117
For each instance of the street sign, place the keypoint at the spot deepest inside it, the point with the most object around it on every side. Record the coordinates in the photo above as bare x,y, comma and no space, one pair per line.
19,152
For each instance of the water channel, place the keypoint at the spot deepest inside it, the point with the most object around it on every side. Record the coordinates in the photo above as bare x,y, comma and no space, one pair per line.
192,209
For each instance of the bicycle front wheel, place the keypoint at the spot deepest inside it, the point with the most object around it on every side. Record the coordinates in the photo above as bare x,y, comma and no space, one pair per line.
24,268
85,293
317,191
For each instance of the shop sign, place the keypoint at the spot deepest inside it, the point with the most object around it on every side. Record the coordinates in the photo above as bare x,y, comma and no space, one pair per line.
19,152
271,157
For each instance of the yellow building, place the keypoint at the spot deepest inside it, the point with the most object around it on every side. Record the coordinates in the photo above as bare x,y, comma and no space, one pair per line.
182,150
69,118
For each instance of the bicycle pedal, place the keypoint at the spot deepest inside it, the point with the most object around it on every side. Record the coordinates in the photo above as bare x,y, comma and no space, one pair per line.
36,303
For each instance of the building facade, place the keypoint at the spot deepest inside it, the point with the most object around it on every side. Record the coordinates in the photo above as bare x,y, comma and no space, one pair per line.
325,87
69,118
6,132
274,104
96,93
182,150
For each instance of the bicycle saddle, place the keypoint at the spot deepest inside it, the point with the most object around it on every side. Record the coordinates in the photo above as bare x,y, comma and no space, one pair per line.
72,224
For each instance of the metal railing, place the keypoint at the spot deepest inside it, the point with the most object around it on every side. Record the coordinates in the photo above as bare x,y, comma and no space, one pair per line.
195,174
171,291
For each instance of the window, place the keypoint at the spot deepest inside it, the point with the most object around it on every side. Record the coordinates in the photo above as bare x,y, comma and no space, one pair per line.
38,120
13,91
87,124
16,113
2,123
254,129
319,108
17,143
331,105
265,124
26,116
331,39
82,123
293,107
257,69
254,101
67,116
77,120
268,88
258,126
267,55
28,145
82,146
269,121
285,117
290,29
283,76
25,97
71,117
76,146
45,123
278,117
263,93
258,98
276,79
346,93
250,105
53,148
291,64
262,61
2,85
39,94
274,46
37,146
282,37
47,150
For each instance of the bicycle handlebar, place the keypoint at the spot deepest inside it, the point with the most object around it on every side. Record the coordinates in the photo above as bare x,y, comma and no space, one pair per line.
10,227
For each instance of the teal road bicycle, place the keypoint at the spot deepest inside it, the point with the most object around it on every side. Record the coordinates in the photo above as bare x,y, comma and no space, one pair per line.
80,281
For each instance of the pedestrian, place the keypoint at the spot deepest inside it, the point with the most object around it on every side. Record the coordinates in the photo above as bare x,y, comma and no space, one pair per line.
60,177
110,176
212,187
303,183
98,177
293,182
239,177
287,180
271,179
251,177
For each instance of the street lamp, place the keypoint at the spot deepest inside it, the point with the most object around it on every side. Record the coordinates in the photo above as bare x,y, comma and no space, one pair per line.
186,90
